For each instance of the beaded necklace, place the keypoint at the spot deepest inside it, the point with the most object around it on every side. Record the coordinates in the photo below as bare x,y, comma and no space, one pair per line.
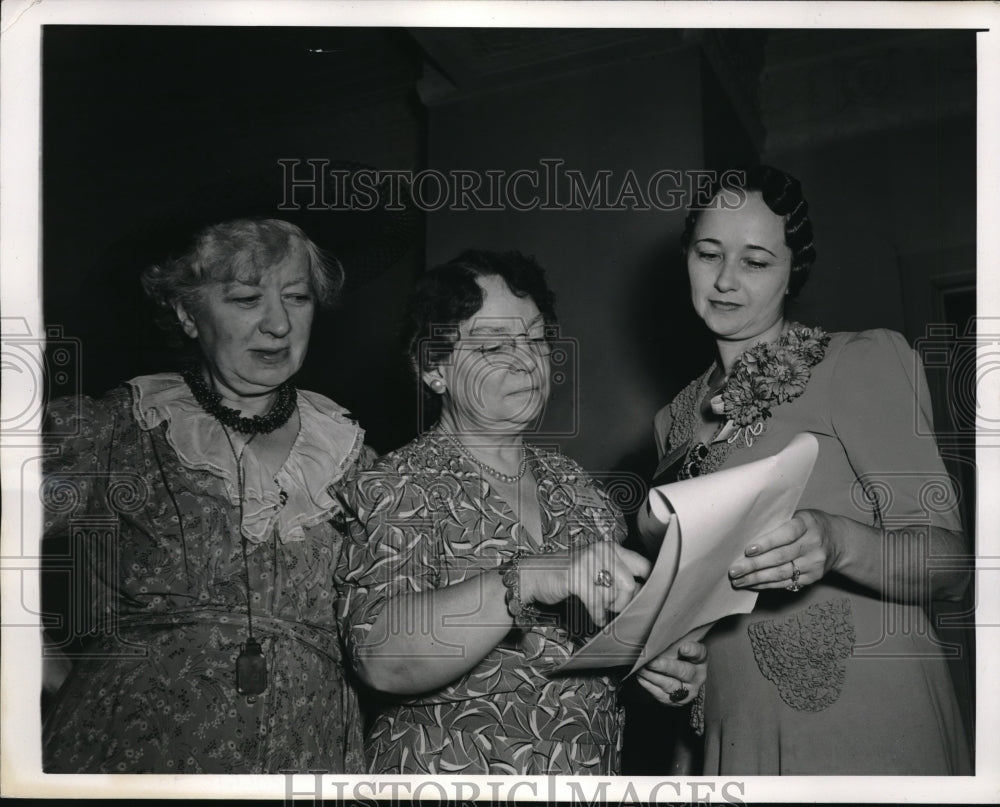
211,401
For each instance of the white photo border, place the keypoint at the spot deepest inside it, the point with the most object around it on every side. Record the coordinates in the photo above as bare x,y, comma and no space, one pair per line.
20,263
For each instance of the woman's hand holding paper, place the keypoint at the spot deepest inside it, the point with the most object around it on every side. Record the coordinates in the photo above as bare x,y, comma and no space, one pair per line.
603,575
796,554
675,676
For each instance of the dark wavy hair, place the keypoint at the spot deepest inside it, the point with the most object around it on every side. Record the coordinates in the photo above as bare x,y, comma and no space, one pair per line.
782,193
448,295
240,249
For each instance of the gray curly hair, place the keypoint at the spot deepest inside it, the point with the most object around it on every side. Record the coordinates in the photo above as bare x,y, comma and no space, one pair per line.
242,249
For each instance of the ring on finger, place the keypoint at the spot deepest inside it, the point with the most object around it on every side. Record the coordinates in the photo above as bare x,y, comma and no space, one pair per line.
679,694
795,585
604,579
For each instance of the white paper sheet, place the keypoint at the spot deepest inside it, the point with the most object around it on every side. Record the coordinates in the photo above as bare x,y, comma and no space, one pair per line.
708,522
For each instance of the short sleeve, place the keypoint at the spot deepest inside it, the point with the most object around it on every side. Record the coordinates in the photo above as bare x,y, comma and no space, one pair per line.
881,413
619,532
366,459
595,504
390,551
77,434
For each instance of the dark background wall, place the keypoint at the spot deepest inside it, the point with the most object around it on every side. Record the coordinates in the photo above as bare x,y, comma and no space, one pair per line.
152,133
615,272
149,133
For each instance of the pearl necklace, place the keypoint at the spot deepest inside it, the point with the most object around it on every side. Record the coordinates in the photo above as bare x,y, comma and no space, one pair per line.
512,478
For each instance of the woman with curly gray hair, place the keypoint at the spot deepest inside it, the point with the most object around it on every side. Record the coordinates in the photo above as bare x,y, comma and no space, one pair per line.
219,652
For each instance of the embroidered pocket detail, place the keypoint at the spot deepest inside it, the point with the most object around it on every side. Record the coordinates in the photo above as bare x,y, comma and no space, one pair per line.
803,655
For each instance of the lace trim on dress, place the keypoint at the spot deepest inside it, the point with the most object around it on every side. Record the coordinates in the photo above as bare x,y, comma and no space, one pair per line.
684,420
697,718
803,655
297,496
763,377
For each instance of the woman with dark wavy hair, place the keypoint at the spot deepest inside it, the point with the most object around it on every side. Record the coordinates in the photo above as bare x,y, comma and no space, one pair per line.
478,562
218,651
815,681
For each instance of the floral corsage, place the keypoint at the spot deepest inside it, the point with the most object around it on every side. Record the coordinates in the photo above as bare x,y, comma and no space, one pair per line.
766,376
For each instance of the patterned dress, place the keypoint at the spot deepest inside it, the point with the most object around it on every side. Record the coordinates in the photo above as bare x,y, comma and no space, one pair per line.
426,518
835,679
142,483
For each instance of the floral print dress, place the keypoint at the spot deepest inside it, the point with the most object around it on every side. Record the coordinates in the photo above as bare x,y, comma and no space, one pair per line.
425,518
143,484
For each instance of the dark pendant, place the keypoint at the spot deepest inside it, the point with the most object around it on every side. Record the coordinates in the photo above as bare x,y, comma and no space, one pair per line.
251,669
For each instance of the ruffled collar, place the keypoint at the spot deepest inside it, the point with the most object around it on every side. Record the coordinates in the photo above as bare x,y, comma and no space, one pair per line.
297,496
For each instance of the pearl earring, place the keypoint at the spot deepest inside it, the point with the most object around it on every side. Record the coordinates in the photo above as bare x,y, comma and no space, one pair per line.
437,385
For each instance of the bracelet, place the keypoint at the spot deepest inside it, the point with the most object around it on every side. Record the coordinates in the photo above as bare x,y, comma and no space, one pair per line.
510,574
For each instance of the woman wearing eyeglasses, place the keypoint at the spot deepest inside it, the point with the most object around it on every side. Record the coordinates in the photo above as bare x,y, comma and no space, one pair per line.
469,545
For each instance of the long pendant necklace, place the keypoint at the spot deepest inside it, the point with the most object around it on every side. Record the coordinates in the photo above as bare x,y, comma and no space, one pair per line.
251,667
512,478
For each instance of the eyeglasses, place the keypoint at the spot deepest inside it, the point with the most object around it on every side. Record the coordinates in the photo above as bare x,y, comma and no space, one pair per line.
501,348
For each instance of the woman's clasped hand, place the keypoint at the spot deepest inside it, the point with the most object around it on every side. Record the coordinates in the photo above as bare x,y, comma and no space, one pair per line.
604,576
800,552
676,675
